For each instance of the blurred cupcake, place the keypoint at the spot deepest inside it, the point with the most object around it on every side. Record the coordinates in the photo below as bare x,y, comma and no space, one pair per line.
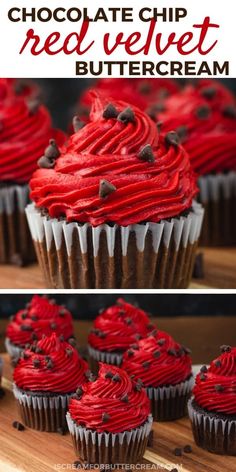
114,330
41,316
110,419
117,209
46,376
165,369
204,117
25,131
212,409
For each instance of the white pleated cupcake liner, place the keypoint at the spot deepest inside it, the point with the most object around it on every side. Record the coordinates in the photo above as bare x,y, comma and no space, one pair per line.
39,402
103,356
185,230
81,433
161,393
213,187
13,350
12,197
218,425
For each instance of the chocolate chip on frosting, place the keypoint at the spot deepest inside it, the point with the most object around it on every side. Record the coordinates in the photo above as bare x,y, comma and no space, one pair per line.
50,364
146,364
208,92
225,348
106,188
110,111
217,363
128,321
159,126
203,368
108,375
126,116
182,132
202,377
146,154
156,354
79,392
26,327
116,378
52,151
219,388
229,111
130,353
72,342
171,352
172,138
36,363
203,112
69,352
33,106
46,163
125,398
77,123
105,417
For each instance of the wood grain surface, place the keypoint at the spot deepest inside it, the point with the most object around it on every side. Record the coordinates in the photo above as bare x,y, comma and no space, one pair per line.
219,268
32,451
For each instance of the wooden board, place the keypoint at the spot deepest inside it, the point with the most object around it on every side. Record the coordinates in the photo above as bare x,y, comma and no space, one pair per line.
32,451
219,267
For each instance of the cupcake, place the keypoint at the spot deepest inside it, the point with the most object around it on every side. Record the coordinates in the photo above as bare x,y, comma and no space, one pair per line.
25,131
114,330
212,409
110,419
41,316
204,116
165,369
46,376
116,209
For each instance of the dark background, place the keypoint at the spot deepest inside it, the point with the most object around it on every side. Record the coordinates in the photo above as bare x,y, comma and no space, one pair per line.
160,305
61,95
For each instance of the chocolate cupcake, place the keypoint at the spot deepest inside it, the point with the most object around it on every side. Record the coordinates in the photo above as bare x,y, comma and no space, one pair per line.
204,116
212,409
114,330
110,419
24,132
42,316
117,209
165,369
46,376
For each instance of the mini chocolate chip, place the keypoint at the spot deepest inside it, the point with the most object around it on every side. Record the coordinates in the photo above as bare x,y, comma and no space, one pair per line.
53,326
106,188
24,315
198,269
79,392
52,151
62,338
172,138
208,92
62,312
203,112
50,364
230,111
126,116
138,337
171,352
26,327
108,375
33,348
87,373
146,154
153,333
17,425
101,334
72,342
105,417
36,363
156,354
125,398
150,439
225,348
116,378
128,321
217,363
77,123
46,163
92,377
203,368
134,346
138,387
144,88
130,353
177,451
33,106
61,431
174,470
24,355
186,350
122,312
202,377
38,350
188,449
34,337
182,132
219,388
110,112
34,318
69,352
146,364
159,126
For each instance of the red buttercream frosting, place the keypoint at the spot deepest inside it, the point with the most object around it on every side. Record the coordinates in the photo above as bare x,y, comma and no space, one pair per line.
158,361
108,149
112,403
40,317
215,387
205,117
118,326
50,365
25,131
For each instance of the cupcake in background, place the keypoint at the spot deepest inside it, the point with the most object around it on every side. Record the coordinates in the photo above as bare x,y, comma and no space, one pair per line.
165,369
114,330
41,316
116,210
46,376
212,409
109,419
25,130
204,116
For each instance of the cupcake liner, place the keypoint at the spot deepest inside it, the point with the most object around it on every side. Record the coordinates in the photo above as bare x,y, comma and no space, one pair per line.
13,350
218,196
96,356
109,448
169,403
212,432
15,241
150,255
42,412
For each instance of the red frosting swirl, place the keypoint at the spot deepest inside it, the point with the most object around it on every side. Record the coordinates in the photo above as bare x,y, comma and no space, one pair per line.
40,317
109,149
205,117
50,365
117,327
25,130
112,403
215,387
158,361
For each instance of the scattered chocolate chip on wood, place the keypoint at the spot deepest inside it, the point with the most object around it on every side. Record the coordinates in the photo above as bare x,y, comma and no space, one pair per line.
110,111
77,123
177,451
17,425
146,154
126,116
188,449
106,188
174,470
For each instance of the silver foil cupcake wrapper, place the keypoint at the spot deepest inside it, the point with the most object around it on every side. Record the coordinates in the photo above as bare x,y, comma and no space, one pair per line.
213,187
102,356
41,402
161,393
218,425
13,350
13,196
82,433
